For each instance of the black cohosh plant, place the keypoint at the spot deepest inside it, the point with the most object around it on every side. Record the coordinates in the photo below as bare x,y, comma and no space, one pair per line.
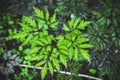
49,46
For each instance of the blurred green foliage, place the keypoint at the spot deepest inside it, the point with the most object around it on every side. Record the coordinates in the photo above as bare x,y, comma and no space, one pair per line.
25,74
103,32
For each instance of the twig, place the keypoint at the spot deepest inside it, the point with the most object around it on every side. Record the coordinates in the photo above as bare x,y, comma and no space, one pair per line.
4,44
62,72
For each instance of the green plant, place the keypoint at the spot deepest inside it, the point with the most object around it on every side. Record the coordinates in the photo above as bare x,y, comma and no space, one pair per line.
104,35
105,31
25,74
49,45
5,20
74,7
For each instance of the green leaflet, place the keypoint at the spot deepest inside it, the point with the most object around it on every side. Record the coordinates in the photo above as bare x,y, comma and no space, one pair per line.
39,43
71,23
45,33
60,38
85,54
64,52
32,23
81,40
42,50
27,40
54,24
50,67
45,26
71,52
40,23
76,54
53,18
38,12
54,55
98,14
25,27
62,48
40,63
48,48
63,60
73,38
47,15
34,50
66,28
20,48
85,46
44,71
29,20
10,22
83,24
76,32
37,58
76,22
93,71
56,64
68,36
44,40
54,50
21,35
